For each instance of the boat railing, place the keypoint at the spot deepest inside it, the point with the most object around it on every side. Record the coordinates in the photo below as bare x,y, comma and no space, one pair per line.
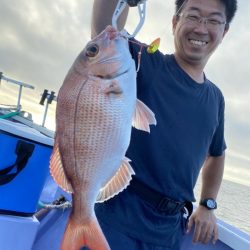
21,86
232,236
16,113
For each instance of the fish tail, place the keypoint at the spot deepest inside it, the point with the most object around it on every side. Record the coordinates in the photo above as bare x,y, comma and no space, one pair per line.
89,235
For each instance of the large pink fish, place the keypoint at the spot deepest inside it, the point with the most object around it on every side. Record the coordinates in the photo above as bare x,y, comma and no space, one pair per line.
95,110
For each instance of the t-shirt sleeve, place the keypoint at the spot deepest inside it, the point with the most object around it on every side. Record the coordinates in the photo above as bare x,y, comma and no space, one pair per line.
218,144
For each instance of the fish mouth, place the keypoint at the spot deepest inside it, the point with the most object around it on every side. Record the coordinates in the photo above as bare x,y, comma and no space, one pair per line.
111,77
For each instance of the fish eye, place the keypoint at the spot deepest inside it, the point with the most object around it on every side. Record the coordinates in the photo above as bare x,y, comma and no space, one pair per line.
92,50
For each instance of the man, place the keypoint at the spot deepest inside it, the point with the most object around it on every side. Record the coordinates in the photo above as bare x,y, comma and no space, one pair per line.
189,134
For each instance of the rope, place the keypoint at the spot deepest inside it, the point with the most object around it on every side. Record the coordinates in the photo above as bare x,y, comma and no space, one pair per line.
61,203
11,114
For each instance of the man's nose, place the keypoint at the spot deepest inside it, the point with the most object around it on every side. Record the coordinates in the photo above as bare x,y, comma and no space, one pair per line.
201,26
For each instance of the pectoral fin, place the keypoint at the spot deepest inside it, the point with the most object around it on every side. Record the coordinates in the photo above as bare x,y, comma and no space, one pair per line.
57,171
143,117
118,182
113,88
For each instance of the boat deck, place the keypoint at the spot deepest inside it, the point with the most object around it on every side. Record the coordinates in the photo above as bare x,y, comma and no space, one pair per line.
45,231
52,226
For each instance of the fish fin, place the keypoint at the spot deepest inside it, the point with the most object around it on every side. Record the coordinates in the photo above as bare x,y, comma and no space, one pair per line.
57,171
118,182
78,235
143,117
113,88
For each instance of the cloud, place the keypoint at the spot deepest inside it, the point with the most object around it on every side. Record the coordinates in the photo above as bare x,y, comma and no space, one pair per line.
40,40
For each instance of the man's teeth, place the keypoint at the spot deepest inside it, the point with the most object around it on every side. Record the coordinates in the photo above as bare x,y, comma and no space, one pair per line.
197,42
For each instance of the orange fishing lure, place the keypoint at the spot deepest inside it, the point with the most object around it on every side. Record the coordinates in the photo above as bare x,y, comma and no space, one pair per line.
153,47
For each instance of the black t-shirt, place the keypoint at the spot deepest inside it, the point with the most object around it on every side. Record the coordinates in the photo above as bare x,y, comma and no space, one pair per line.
190,126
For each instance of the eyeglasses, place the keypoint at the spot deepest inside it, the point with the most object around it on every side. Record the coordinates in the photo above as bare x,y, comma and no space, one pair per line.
210,23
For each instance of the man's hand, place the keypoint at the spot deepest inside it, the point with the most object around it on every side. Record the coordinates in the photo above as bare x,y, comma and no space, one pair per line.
205,226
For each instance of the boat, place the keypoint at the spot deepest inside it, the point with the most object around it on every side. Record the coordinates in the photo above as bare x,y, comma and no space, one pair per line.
33,209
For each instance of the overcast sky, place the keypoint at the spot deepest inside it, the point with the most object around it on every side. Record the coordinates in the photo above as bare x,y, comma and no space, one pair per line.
40,39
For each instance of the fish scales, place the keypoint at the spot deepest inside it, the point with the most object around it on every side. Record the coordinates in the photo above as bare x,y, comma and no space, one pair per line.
90,140
96,108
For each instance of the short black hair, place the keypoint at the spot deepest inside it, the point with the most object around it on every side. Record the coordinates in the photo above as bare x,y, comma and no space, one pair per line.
230,6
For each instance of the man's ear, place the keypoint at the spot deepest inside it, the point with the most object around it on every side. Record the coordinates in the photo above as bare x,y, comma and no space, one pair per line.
174,23
226,30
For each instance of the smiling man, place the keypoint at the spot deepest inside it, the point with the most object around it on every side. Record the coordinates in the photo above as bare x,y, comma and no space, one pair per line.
152,212
199,28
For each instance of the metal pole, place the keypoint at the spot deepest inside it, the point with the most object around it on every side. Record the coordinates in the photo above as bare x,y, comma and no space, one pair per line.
19,98
45,113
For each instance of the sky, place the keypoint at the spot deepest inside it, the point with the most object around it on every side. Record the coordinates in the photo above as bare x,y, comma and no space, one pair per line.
39,41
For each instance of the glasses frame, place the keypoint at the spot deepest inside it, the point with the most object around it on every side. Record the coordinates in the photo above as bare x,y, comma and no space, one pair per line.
210,23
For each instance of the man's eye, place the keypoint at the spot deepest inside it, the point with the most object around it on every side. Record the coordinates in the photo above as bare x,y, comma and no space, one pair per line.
214,21
193,18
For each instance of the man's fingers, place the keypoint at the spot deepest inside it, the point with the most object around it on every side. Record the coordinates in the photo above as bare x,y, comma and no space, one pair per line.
216,234
190,224
197,232
209,234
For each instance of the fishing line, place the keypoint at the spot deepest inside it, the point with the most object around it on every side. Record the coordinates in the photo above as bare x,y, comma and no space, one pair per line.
164,31
153,47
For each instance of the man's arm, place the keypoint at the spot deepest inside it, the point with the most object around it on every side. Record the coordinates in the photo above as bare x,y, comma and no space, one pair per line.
212,174
204,219
102,16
